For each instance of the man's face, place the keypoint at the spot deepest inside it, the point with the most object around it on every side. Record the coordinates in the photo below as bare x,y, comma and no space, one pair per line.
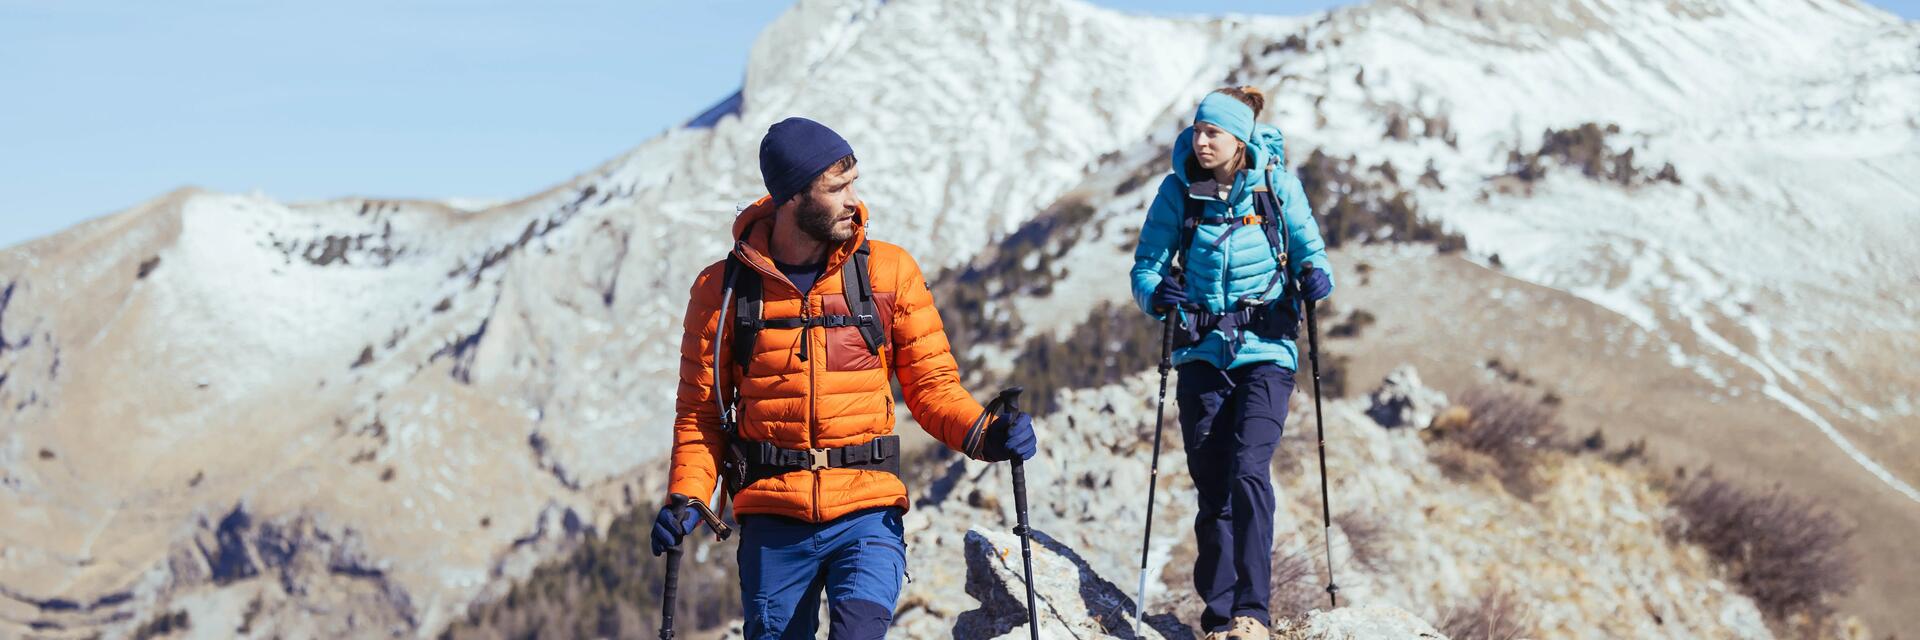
826,211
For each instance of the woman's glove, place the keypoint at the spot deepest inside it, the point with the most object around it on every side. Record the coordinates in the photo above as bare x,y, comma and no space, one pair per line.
1315,283
1170,295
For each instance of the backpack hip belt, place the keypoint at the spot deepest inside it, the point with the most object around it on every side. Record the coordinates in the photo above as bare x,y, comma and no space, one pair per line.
761,460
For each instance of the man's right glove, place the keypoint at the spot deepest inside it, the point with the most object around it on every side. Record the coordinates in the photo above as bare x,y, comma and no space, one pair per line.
1008,437
1170,295
670,528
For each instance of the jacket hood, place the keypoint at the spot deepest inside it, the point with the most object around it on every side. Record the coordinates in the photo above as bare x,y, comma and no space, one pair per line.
753,231
1267,145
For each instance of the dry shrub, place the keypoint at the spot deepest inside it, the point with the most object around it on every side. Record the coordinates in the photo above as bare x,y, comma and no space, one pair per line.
1296,584
1596,443
1783,550
165,624
1635,451
1495,432
1352,324
1461,463
1508,426
1178,577
1497,614
1366,537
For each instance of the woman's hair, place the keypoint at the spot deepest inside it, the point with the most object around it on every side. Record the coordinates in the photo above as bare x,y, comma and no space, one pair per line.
1252,96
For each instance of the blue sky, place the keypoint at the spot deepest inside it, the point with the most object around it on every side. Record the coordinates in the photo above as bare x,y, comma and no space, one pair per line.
108,104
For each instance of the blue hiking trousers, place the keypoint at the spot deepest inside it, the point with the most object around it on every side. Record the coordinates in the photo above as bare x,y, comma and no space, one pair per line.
858,560
1230,422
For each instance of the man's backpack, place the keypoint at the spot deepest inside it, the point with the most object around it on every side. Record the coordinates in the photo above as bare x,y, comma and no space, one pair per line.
747,461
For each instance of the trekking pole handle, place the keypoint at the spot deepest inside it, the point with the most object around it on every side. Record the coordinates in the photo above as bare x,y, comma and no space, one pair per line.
1007,400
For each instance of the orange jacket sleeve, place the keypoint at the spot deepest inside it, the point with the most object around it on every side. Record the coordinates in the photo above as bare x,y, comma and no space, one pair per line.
698,442
923,361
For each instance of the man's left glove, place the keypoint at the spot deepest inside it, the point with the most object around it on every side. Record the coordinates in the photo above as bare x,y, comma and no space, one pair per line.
1010,436
1315,283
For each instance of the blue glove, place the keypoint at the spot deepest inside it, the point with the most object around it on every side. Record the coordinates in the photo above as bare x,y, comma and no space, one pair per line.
1010,437
668,530
1315,283
1170,295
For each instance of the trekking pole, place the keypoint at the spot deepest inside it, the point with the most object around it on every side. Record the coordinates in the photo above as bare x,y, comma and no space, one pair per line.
671,591
1153,470
1320,427
1002,405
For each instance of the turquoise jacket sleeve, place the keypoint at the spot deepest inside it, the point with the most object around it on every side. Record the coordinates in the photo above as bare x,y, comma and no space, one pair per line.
1303,233
1153,255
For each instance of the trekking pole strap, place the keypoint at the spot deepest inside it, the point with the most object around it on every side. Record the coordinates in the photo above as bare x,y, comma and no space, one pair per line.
975,443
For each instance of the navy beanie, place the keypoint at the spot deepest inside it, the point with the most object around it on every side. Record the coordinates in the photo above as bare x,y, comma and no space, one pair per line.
795,151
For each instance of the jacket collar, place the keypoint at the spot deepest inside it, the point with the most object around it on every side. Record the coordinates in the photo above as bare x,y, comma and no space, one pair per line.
753,235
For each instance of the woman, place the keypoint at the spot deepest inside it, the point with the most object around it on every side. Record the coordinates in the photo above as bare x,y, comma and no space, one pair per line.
1238,227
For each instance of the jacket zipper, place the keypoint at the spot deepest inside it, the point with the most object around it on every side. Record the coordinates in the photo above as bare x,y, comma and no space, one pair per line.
813,395
806,307
1226,261
813,403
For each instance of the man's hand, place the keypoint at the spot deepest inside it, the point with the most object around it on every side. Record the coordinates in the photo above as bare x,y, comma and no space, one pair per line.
1170,295
1315,283
672,525
1010,436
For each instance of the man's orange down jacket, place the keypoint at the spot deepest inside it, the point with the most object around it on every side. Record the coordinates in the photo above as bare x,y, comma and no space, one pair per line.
837,396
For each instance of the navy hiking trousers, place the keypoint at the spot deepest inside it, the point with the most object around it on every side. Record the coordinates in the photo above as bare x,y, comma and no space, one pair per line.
858,560
1231,422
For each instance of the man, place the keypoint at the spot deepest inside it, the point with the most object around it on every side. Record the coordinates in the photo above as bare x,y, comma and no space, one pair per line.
806,319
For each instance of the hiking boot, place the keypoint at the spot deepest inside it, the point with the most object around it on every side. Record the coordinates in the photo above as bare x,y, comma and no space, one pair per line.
1247,628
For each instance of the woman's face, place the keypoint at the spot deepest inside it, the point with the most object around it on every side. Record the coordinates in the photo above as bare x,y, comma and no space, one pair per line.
1213,147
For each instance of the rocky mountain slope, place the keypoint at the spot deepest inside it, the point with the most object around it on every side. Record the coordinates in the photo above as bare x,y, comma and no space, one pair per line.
1407,533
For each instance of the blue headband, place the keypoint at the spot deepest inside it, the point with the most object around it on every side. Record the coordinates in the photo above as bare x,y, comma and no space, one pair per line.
1228,113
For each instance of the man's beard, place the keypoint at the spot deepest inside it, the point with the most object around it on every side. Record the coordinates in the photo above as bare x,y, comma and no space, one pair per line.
817,221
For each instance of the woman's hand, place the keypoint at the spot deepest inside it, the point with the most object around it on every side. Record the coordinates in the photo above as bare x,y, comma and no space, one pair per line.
1170,295
1315,283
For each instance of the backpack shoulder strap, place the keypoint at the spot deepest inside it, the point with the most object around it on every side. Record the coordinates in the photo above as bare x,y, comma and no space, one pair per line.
747,314
1189,223
856,284
1273,222
725,391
